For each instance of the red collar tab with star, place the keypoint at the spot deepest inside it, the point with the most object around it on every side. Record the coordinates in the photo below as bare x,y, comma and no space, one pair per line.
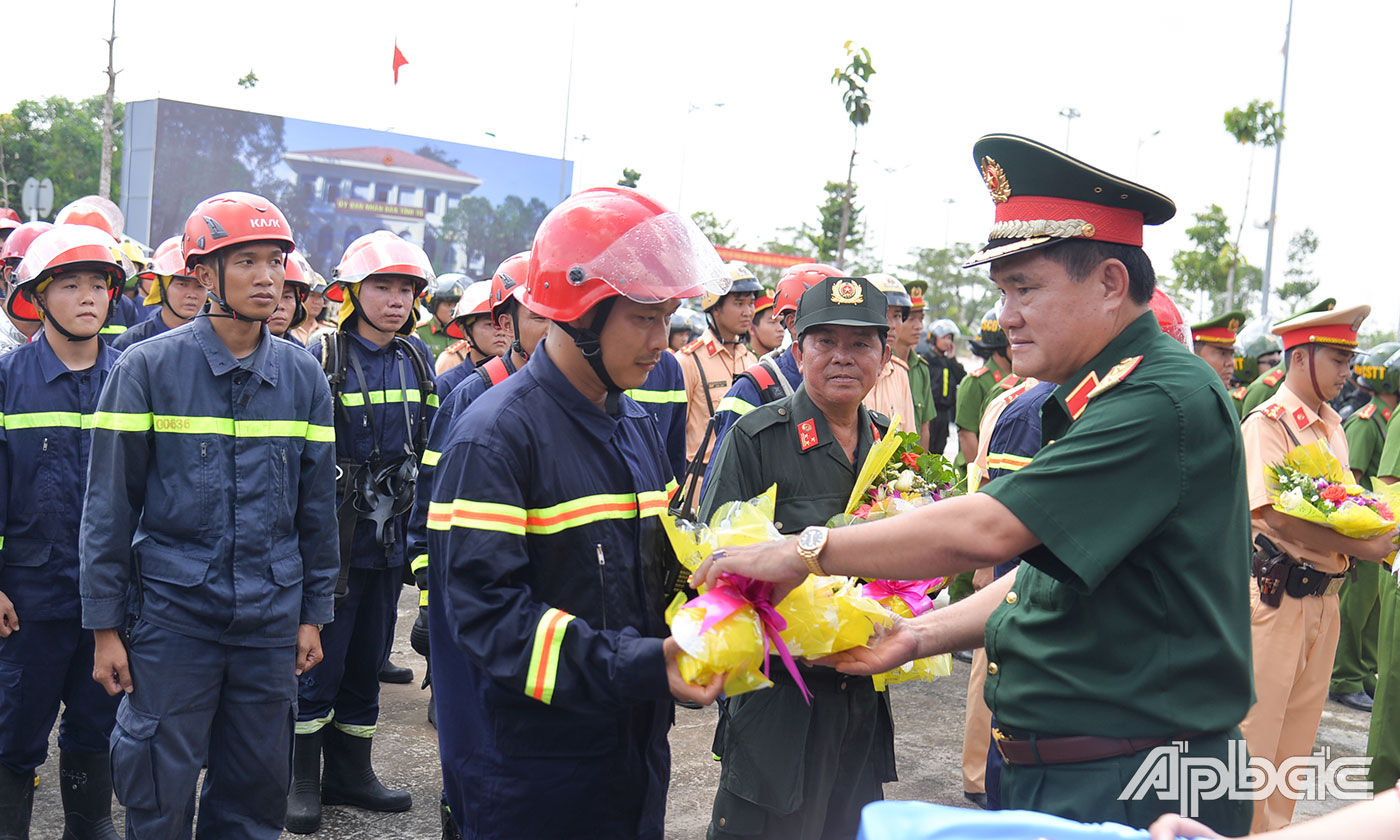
1300,417
807,434
1078,399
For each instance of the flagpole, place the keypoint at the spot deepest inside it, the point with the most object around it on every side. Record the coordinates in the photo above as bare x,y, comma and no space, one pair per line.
568,94
1278,155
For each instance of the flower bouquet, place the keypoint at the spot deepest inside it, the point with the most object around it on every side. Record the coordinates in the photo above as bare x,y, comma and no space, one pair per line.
898,475
1312,485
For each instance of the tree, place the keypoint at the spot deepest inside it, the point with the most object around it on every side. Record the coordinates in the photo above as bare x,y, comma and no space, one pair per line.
715,230
854,76
1257,125
437,154
1299,281
953,292
109,125
61,140
249,81
486,234
630,177
1206,269
839,226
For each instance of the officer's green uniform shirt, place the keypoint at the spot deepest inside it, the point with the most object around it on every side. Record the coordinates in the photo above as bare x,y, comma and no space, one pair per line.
1366,438
767,445
921,387
1354,668
435,337
975,391
1131,619
1262,389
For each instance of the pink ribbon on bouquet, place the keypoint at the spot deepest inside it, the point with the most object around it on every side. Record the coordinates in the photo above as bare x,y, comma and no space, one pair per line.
734,592
912,592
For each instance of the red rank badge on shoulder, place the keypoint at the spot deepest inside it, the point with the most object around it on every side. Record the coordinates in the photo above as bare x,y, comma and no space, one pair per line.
807,434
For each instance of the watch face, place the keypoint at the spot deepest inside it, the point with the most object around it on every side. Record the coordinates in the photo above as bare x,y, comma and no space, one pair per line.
811,538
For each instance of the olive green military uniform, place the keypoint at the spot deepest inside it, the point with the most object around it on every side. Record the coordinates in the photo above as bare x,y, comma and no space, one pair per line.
974,392
435,336
1131,619
1355,666
921,387
1384,743
795,770
1262,389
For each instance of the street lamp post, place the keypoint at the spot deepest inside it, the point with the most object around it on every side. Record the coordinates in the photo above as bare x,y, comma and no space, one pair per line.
1070,115
1278,155
568,94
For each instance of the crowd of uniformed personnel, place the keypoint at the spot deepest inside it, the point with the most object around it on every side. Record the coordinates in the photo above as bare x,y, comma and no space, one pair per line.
269,456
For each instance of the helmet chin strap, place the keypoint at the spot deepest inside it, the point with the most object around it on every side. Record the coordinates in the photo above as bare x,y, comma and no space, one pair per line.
48,317
1312,371
740,338
221,300
589,340
516,346
360,313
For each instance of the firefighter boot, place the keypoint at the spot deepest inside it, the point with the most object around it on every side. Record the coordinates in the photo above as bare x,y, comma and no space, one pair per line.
350,780
86,782
304,803
16,803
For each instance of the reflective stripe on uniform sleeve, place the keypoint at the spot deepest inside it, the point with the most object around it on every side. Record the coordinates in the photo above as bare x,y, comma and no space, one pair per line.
484,516
433,400
544,658
736,405
112,329
643,395
671,487
117,421
1004,461
352,399
581,511
418,563
226,426
48,420
652,502
431,457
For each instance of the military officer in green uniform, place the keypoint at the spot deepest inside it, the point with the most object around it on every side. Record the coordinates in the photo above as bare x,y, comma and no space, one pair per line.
1354,670
1263,389
1214,342
980,386
920,376
790,769
1126,626
1384,742
1253,354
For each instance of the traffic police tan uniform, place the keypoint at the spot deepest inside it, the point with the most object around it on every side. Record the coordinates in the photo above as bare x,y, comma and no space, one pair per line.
709,366
892,395
1293,643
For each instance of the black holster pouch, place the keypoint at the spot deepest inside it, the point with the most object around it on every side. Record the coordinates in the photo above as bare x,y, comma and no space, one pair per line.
1270,566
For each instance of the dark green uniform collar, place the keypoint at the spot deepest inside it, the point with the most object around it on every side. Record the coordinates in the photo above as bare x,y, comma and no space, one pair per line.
814,436
1059,411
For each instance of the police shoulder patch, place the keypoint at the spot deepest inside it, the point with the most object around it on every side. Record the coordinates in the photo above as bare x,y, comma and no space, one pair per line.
1239,392
1366,411
982,371
693,346
1273,411
457,347
1272,377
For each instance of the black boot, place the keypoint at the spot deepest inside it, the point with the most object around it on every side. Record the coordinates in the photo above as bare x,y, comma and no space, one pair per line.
396,674
349,779
86,782
16,804
304,802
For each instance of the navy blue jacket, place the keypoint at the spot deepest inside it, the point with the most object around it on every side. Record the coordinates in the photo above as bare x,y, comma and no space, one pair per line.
44,445
391,382
449,379
743,396
1014,440
545,616
152,326
219,477
663,394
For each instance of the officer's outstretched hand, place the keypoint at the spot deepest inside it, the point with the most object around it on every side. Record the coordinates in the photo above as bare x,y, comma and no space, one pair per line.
1377,548
682,690
776,561
9,619
889,648
109,665
308,648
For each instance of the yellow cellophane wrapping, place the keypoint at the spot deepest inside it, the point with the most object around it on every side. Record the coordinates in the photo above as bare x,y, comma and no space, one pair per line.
1356,521
733,646
920,669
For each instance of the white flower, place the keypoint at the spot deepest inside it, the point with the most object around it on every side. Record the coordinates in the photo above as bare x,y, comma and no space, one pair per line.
905,482
1290,499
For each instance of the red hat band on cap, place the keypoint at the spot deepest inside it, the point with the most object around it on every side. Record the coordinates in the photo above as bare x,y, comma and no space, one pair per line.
1341,335
1034,215
1214,335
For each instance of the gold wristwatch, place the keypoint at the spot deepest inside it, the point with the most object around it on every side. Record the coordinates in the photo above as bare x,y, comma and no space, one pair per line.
809,546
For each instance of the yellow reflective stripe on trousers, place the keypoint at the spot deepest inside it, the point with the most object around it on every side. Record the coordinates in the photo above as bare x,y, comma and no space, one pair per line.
394,395
226,426
431,457
736,405
311,727
356,730
642,395
544,657
483,516
49,420
1004,461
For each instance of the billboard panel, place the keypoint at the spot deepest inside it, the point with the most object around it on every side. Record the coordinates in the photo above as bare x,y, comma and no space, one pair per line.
469,207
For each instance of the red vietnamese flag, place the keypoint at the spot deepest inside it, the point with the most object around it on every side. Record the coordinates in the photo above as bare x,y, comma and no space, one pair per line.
399,61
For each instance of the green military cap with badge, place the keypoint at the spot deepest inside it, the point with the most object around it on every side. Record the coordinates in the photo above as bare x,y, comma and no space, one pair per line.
842,302
917,290
1222,331
1044,196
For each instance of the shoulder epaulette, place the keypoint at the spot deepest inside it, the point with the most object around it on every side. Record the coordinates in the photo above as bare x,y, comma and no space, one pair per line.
693,346
764,416
1015,393
980,371
1239,392
1272,377
456,346
1273,412
1366,411
1010,381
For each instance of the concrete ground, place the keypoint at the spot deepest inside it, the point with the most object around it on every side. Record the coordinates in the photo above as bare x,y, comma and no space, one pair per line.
928,743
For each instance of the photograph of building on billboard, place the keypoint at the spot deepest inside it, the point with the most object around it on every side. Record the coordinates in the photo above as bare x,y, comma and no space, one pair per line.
469,207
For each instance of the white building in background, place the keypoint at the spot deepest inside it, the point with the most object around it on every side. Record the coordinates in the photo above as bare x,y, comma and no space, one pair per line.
358,190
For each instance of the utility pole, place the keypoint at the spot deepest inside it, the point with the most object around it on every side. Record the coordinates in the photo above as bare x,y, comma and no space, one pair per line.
568,94
104,177
1070,115
1278,155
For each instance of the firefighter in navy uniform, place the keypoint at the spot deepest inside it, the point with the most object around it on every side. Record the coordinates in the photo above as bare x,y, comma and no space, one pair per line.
382,383
213,450
48,387
549,561
176,294
441,298
776,375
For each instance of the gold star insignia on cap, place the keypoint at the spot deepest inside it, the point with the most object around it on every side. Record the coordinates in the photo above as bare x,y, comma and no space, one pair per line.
846,291
995,177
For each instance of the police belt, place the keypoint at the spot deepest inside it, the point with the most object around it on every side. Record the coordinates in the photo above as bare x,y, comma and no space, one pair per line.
1076,749
1304,581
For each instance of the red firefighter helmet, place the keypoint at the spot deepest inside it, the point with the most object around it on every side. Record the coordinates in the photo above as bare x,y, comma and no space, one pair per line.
64,248
508,283
18,242
1169,318
229,219
9,219
609,241
93,211
474,302
798,279
380,252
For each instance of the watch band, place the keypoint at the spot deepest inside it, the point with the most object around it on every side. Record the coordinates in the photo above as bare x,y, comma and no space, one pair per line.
810,558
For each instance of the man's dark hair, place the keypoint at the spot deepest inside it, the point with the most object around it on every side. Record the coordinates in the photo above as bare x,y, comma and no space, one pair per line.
1078,257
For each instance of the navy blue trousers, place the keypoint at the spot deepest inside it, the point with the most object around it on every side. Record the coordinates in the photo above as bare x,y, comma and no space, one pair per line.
195,700
42,665
345,685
